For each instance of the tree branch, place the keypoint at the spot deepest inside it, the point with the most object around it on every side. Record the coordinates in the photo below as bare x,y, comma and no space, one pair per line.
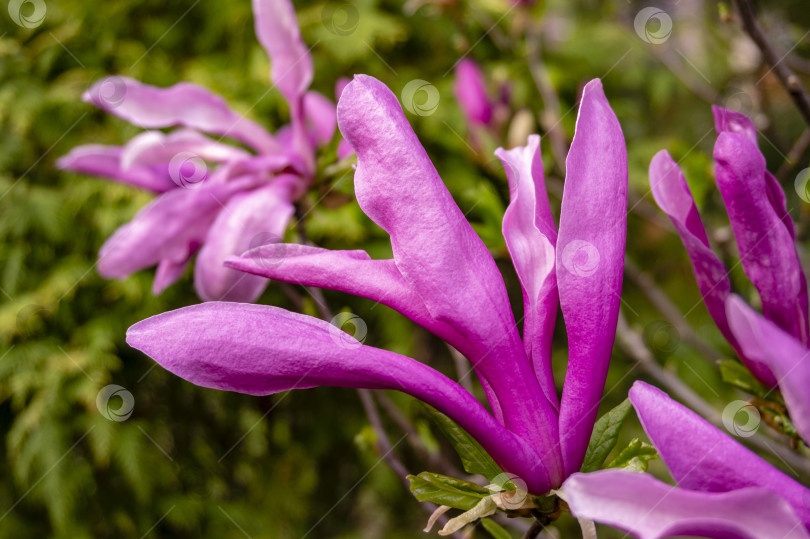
786,76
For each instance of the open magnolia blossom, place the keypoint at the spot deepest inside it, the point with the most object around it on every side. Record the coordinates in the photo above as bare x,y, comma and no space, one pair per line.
245,200
443,278
724,490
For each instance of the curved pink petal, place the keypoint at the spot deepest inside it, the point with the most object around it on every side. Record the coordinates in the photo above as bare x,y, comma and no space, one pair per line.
590,263
321,116
278,32
702,457
440,256
672,194
353,272
183,104
152,148
258,216
471,92
170,227
260,350
530,234
650,509
167,273
734,122
105,161
767,251
763,341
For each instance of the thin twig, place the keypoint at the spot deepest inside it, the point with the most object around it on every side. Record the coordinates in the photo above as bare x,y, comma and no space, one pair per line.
793,156
790,81
534,531
664,304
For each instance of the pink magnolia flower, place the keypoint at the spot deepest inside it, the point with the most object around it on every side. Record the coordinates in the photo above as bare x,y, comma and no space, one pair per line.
724,490
246,200
470,89
774,345
443,278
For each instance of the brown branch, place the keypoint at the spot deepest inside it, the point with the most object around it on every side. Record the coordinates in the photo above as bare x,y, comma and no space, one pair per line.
665,306
793,156
790,81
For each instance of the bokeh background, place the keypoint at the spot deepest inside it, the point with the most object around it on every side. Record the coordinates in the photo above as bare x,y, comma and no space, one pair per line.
196,462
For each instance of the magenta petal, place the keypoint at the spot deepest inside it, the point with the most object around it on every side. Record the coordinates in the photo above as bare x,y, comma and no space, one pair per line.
152,148
763,341
167,273
471,92
766,246
259,350
353,272
278,32
248,219
183,104
672,194
590,263
702,457
440,256
105,161
321,116
530,234
170,227
650,509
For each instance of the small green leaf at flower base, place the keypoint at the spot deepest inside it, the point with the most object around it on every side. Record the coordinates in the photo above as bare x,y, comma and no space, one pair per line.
473,457
483,508
495,530
605,436
444,490
635,456
735,374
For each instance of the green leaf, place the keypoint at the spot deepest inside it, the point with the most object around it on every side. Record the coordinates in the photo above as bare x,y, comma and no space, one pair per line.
635,456
605,436
444,490
495,530
473,457
735,373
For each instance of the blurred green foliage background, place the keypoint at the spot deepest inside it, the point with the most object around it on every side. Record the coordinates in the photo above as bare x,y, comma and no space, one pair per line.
196,462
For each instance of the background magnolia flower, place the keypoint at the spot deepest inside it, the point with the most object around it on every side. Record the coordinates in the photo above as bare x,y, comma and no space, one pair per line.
442,277
773,345
470,89
724,490
245,201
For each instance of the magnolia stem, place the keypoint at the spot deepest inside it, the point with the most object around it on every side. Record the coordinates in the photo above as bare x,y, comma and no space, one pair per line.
535,530
790,81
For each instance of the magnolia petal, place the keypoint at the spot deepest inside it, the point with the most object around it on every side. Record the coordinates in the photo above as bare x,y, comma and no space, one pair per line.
355,273
767,250
672,194
321,116
105,161
170,227
763,341
183,104
246,219
167,273
152,148
440,256
590,262
471,92
278,32
530,234
702,457
650,509
260,350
